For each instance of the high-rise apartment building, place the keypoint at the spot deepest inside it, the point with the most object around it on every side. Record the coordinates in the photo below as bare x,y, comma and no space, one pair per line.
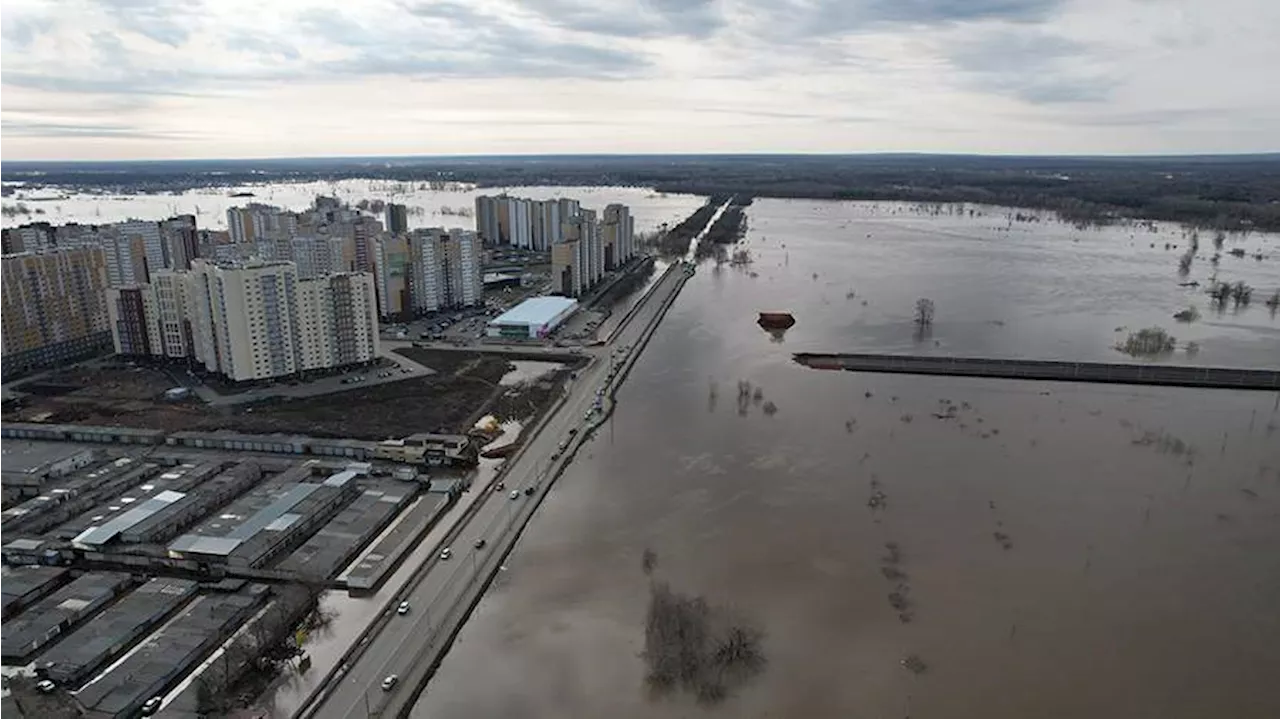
126,259
259,320
391,270
32,237
54,308
444,269
317,256
577,261
398,218
617,235
153,244
487,219
181,242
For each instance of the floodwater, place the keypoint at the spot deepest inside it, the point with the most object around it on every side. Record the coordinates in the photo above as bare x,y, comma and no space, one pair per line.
453,207
1062,550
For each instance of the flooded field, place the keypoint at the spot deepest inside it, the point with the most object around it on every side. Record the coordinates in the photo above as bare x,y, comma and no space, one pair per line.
452,207
922,546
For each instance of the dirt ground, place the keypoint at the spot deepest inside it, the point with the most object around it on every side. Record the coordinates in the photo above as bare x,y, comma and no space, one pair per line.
464,384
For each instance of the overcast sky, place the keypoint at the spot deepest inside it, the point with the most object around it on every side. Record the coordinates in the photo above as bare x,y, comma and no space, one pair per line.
108,79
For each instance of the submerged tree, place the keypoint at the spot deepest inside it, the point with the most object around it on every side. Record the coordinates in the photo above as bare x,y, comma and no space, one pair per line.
924,312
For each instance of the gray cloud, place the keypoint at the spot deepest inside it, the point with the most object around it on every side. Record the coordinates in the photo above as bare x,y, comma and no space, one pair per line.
798,20
22,128
1031,65
169,22
468,43
642,18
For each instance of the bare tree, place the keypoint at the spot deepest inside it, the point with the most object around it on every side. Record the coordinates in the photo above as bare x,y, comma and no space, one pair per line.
924,312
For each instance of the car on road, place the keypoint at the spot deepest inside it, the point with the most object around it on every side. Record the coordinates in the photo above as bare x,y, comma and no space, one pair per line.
515,494
446,553
152,706
44,686
480,543
587,415
573,431
529,490
389,682
403,608
499,486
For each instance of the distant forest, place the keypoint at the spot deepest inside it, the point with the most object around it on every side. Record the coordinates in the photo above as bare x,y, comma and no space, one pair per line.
1230,192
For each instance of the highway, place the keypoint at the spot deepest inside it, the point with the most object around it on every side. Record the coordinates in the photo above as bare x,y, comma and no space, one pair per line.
410,645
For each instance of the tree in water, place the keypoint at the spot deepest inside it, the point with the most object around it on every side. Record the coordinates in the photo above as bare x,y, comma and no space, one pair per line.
924,312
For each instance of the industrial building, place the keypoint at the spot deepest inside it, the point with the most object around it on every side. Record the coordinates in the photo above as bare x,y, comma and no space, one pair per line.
534,318
267,521
27,466
89,648
48,619
24,585
168,655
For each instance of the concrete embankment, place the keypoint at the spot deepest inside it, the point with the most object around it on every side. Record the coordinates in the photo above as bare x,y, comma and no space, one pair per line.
1144,374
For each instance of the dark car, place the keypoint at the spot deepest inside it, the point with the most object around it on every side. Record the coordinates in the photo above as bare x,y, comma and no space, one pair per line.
480,543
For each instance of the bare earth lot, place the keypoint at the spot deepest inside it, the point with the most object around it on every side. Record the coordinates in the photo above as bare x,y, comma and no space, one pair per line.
465,384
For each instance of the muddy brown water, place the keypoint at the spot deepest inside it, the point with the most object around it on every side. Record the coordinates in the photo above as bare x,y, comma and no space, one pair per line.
1068,550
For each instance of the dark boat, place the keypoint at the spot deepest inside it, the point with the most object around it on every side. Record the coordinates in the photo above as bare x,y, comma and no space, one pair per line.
776,320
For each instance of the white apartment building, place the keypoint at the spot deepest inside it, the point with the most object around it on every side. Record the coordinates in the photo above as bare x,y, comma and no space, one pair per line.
337,320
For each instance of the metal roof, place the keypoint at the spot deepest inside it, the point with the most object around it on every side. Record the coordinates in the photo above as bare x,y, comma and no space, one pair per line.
264,519
535,311
97,536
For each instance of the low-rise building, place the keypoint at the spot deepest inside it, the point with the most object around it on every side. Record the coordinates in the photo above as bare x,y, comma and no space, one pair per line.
534,318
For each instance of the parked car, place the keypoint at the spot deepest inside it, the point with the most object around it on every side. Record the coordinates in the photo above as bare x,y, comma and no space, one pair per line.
45,686
403,608
389,682
152,706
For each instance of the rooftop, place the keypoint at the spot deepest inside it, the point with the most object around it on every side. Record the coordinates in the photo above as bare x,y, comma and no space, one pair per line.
23,457
535,311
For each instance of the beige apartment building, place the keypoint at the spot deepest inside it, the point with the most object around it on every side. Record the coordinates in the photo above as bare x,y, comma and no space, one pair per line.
54,308
260,320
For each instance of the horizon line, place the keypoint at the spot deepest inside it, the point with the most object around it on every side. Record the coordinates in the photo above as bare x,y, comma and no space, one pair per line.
1271,154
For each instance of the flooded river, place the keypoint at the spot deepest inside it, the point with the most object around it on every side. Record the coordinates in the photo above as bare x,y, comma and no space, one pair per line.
1035,549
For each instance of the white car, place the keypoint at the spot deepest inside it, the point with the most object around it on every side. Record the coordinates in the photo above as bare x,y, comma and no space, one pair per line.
515,494
389,682
403,608
152,706
45,686
446,553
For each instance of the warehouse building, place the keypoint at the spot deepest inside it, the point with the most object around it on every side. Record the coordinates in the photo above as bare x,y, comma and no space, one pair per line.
268,521
534,318
112,632
48,619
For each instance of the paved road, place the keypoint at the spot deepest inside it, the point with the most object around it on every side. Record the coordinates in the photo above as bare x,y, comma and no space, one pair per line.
408,644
